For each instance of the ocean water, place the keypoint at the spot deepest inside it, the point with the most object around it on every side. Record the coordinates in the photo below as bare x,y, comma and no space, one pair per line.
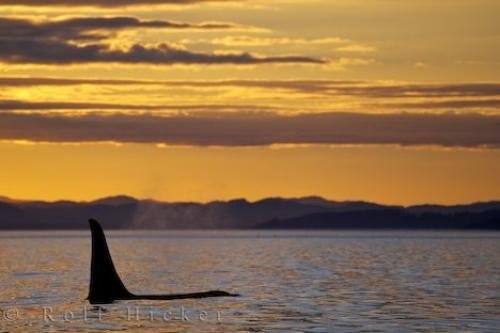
300,281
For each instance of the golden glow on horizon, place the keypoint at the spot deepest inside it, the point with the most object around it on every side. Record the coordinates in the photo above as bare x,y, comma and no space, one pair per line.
378,173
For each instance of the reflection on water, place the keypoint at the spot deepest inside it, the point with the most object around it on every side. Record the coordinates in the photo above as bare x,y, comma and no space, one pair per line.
289,281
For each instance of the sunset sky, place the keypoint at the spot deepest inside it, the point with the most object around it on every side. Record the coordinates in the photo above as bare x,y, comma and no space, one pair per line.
197,100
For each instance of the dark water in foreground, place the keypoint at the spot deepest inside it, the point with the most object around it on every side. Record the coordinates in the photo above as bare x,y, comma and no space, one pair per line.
328,281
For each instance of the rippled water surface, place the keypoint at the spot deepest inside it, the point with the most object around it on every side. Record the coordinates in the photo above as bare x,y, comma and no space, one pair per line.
289,281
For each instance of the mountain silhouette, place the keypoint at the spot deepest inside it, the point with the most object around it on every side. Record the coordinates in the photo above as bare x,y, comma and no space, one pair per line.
124,212
390,219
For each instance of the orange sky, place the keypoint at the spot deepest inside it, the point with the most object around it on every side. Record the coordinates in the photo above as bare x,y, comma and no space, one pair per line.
387,101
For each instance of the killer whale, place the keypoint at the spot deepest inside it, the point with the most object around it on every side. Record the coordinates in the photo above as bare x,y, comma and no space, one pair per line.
106,285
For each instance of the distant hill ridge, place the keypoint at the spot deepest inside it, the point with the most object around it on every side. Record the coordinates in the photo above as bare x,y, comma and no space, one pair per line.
125,212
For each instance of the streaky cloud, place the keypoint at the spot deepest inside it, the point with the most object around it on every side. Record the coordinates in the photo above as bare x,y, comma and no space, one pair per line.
257,129
44,106
451,104
371,89
291,84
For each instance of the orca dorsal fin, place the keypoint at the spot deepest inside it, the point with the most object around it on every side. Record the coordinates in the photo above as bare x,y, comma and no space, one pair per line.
105,284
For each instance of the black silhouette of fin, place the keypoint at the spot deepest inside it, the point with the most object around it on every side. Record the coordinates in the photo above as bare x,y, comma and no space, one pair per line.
106,285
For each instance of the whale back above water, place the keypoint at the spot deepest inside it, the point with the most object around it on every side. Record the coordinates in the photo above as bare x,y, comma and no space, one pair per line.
105,283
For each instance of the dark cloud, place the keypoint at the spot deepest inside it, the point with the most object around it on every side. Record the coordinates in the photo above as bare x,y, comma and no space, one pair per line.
48,52
244,129
53,42
103,3
88,28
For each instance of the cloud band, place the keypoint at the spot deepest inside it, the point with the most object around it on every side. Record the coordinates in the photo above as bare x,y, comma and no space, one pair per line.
254,129
83,40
